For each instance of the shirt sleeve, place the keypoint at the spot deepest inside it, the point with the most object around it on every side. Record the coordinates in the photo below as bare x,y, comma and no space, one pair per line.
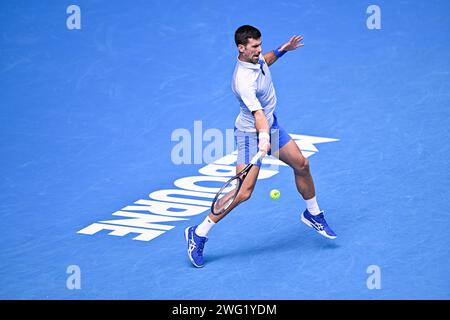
247,92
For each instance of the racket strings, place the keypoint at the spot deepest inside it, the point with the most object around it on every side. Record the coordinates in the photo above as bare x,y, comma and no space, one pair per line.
226,197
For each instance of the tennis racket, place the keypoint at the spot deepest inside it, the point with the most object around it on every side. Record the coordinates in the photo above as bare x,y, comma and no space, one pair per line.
227,194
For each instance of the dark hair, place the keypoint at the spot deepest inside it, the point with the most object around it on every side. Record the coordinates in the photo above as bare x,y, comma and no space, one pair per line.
243,33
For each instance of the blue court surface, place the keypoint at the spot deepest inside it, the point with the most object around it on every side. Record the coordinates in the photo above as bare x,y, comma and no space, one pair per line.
93,205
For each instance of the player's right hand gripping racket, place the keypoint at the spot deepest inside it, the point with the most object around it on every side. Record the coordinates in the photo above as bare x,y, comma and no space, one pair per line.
227,194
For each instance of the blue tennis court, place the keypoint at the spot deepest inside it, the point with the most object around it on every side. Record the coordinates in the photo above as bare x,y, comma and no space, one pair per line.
96,99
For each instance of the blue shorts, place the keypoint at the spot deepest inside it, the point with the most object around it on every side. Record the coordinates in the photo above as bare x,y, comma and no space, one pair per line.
247,142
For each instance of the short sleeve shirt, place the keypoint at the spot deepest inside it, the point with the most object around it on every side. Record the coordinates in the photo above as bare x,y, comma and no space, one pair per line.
253,87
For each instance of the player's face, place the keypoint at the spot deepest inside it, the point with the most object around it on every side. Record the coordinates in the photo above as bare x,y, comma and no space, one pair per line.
251,51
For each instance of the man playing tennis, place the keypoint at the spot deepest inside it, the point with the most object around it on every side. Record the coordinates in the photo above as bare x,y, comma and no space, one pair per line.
257,129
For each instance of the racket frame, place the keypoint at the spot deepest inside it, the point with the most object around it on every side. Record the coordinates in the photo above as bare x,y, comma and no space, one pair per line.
241,177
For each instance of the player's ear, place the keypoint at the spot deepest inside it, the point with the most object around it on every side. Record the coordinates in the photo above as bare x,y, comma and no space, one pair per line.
241,48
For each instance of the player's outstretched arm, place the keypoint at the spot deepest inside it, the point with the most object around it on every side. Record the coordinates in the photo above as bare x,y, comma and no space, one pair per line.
292,44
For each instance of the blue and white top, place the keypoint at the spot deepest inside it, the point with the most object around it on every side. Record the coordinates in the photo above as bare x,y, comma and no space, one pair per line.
253,87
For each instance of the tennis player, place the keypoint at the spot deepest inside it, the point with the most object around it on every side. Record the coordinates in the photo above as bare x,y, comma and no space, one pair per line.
257,129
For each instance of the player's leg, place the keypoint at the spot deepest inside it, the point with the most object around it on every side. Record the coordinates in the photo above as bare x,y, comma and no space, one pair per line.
247,146
196,236
290,154
313,217
244,193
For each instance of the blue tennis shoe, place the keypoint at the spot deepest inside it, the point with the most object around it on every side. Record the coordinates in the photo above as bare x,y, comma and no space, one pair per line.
195,246
318,222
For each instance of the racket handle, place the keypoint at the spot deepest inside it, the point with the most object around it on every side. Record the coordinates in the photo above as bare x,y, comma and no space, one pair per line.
257,156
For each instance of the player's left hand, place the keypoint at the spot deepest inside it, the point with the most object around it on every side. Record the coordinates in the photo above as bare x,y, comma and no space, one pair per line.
292,44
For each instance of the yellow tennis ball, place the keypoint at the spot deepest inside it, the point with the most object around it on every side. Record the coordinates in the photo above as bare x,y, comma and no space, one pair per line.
275,194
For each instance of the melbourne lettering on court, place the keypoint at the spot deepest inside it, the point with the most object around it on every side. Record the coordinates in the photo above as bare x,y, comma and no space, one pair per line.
191,195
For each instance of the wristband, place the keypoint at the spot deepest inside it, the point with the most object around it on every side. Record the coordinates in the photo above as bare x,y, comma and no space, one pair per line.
279,54
263,135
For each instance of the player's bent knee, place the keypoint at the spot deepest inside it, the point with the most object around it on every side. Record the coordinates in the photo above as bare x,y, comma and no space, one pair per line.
302,167
244,195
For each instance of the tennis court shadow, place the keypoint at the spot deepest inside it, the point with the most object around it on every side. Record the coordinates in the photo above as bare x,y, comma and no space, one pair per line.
285,243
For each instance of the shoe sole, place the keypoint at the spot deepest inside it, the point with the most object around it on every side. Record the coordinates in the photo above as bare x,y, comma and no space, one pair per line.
186,236
309,224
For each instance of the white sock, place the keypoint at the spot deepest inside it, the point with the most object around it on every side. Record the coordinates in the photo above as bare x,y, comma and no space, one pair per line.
204,227
312,206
